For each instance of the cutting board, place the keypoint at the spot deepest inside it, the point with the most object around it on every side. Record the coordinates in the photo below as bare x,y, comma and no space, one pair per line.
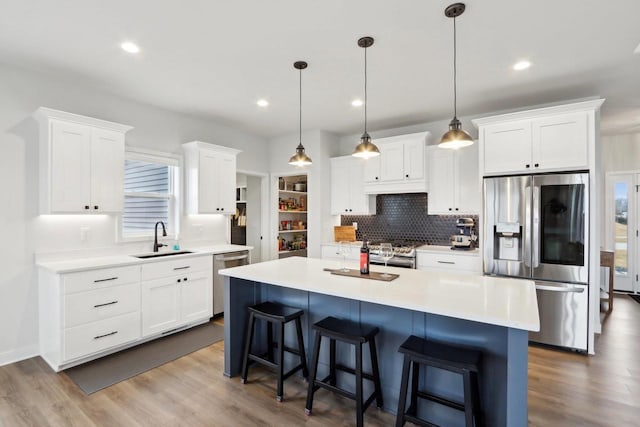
344,233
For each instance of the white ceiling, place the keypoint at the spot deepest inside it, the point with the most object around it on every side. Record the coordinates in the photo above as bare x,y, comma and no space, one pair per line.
216,58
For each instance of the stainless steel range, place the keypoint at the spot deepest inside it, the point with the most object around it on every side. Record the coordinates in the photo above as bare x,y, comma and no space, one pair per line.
404,253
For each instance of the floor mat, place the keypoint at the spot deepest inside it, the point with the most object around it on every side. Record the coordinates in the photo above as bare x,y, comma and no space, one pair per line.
98,374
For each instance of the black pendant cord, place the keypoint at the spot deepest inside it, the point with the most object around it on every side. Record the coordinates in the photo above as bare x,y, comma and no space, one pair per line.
365,90
455,76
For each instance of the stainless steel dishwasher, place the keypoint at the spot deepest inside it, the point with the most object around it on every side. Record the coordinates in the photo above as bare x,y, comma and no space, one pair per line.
221,261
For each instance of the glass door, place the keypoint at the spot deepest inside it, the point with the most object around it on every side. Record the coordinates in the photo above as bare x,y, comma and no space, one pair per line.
621,229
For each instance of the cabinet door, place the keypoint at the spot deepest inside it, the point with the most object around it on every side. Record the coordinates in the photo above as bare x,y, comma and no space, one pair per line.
507,147
561,142
226,183
341,185
372,169
208,185
441,181
107,171
391,162
160,305
70,167
414,159
359,202
467,191
196,298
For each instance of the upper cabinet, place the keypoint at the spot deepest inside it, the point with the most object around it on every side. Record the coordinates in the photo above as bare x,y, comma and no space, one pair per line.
400,168
81,163
544,140
454,182
347,187
210,178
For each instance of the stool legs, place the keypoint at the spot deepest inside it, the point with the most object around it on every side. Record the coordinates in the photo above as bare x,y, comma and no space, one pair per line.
313,374
332,362
415,380
359,414
402,401
247,349
280,362
303,355
376,373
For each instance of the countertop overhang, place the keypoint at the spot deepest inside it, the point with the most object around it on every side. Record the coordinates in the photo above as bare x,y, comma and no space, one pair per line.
511,303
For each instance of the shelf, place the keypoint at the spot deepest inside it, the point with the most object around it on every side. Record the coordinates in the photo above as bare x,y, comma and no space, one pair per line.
289,252
292,231
292,192
300,212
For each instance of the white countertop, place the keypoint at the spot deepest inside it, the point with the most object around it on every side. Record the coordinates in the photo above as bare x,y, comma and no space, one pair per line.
447,250
496,301
92,263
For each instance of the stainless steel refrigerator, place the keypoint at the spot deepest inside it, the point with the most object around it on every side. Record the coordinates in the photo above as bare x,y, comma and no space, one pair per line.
537,227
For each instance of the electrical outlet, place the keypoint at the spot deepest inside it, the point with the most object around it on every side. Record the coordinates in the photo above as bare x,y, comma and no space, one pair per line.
355,225
84,233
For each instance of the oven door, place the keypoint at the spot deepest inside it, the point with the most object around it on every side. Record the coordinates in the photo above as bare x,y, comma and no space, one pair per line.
560,235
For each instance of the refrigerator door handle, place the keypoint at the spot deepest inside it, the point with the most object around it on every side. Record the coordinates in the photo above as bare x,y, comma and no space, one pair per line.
577,290
525,225
535,240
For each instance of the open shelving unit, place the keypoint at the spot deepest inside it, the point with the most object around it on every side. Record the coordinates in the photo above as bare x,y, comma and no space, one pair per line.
292,216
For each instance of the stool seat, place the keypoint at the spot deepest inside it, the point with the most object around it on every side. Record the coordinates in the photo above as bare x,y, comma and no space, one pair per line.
344,330
441,355
277,312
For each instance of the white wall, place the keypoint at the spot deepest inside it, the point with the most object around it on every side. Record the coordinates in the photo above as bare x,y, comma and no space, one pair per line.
26,233
320,146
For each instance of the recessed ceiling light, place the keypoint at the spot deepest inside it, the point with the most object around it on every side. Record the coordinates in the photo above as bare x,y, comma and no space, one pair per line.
522,65
130,47
357,103
262,103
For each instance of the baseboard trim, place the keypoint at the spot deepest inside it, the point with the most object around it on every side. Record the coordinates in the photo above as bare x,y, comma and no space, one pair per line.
18,354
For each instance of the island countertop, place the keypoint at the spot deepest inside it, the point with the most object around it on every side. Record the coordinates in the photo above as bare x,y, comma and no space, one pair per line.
504,302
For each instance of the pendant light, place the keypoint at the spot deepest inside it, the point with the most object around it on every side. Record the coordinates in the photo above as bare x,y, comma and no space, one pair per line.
456,137
366,149
300,158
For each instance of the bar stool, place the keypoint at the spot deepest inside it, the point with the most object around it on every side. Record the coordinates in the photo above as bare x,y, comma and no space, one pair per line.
418,351
351,333
279,315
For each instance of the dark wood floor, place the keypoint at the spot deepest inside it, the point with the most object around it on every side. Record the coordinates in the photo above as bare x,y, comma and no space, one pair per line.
565,389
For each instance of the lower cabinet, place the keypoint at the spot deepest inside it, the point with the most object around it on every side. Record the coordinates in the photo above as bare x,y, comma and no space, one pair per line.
467,262
88,314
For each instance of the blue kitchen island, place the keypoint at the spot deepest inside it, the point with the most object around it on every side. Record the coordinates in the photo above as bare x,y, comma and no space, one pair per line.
490,314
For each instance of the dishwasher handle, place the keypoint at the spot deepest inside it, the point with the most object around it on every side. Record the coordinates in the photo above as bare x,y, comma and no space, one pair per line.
231,258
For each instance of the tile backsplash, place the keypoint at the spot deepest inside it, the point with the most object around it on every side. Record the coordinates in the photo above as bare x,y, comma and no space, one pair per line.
404,216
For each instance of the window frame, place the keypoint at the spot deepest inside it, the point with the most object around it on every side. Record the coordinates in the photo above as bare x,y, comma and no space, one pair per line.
176,164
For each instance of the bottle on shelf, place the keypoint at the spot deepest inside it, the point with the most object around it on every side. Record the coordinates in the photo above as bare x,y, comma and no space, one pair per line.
364,257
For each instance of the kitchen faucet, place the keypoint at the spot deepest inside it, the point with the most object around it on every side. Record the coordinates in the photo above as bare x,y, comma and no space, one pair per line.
157,245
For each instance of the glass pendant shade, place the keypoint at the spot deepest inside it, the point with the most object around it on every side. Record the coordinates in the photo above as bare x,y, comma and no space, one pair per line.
455,137
366,149
300,158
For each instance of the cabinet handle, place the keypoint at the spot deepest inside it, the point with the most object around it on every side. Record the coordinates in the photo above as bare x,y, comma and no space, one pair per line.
406,176
221,209
376,178
217,209
106,303
527,166
446,262
95,207
450,209
105,280
346,210
350,210
179,280
457,209
182,268
86,207
536,165
105,335
185,279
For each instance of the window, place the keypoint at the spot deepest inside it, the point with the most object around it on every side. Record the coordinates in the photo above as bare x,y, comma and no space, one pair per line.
150,195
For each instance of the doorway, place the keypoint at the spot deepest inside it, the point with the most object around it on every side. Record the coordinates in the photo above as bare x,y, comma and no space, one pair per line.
251,216
622,225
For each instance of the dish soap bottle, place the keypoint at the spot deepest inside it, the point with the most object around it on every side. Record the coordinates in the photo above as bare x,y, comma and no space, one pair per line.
364,258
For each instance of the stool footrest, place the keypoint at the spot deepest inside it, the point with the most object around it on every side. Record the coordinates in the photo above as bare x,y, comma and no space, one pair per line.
349,370
256,358
419,421
441,400
324,384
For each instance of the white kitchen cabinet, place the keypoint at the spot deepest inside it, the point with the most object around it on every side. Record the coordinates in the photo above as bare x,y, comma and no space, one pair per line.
176,293
542,140
454,183
81,163
347,187
444,259
400,168
210,178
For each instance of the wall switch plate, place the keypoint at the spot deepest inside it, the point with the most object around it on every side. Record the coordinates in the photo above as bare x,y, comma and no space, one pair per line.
355,225
84,233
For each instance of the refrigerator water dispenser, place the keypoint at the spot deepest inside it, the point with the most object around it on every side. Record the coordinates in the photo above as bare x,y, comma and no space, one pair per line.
507,241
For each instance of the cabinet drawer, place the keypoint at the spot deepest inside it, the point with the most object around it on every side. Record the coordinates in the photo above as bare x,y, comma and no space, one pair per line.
156,270
101,335
85,307
449,262
102,278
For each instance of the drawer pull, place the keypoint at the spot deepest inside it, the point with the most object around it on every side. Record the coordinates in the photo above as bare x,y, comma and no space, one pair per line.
182,268
105,280
106,303
105,335
446,262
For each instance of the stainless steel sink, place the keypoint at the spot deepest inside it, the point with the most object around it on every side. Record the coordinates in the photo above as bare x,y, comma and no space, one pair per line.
160,254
